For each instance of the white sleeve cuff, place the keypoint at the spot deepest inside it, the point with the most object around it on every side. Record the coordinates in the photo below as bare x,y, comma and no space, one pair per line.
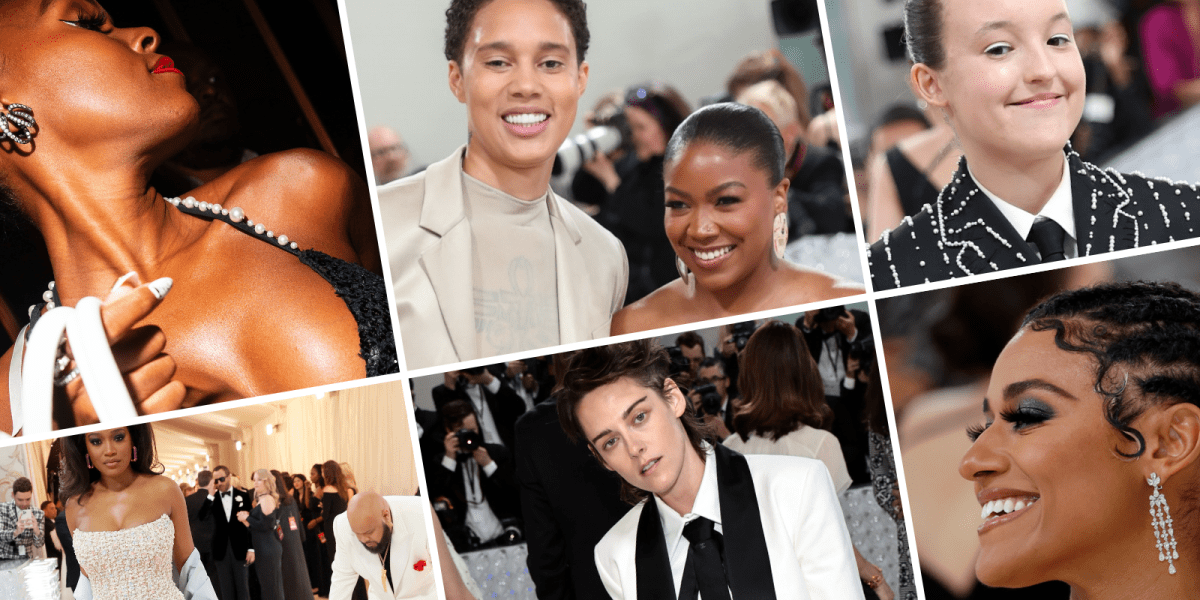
490,468
848,382
449,463
494,386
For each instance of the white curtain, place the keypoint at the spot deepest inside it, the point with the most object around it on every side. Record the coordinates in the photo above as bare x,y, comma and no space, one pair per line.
366,427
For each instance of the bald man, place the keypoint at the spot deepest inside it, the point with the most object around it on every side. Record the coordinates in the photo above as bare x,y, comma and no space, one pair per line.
389,155
392,550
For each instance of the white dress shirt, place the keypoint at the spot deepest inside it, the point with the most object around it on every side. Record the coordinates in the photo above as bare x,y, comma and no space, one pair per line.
1058,208
483,412
809,547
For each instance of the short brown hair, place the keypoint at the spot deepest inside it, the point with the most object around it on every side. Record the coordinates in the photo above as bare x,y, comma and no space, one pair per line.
22,484
690,339
780,385
645,363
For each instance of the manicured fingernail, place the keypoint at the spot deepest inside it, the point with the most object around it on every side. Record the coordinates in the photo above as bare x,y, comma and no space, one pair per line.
160,287
132,275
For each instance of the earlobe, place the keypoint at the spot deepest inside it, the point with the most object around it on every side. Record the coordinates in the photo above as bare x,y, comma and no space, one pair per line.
456,84
924,82
781,194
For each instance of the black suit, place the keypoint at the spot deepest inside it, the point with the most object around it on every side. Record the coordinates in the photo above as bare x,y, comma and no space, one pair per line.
504,407
498,488
569,502
202,526
963,233
64,538
230,543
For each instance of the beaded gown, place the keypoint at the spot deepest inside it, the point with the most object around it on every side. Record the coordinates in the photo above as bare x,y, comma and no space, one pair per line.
130,563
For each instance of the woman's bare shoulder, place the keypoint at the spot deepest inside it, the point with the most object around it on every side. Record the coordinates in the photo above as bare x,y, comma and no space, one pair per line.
663,307
807,285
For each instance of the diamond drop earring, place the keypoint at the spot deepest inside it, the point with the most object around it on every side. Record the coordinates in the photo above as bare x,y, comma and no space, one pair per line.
19,117
1164,532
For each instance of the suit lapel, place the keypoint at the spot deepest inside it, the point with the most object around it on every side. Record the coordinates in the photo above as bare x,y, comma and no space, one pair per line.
1105,215
572,283
448,263
975,234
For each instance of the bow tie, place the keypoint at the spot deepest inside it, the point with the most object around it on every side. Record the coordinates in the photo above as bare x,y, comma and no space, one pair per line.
226,494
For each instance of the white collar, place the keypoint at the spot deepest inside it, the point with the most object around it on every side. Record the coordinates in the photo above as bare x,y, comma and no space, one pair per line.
1058,208
707,504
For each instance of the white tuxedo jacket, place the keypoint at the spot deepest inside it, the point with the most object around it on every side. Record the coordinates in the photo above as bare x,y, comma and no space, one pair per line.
809,547
429,248
410,548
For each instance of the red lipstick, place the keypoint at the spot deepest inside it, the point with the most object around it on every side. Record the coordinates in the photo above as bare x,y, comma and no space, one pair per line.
165,65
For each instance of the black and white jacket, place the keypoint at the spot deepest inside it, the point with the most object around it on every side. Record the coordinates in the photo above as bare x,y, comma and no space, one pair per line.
964,233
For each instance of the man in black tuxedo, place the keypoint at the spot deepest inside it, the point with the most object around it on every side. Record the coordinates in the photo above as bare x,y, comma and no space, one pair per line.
199,507
496,405
569,502
477,480
231,548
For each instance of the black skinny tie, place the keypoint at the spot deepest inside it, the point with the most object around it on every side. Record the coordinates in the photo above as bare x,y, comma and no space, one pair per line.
705,554
1048,236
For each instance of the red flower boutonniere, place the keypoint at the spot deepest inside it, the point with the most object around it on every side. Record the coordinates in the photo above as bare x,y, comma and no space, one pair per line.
419,565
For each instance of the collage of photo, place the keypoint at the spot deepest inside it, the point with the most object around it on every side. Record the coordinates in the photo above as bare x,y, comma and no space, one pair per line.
575,300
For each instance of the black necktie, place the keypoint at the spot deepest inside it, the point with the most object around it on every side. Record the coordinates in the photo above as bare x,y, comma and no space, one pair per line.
705,554
1048,236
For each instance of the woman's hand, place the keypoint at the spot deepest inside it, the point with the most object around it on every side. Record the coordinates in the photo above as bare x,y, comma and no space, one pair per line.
602,169
138,352
873,576
243,516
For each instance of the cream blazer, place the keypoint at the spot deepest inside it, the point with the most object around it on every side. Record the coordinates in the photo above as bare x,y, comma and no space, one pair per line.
408,560
429,249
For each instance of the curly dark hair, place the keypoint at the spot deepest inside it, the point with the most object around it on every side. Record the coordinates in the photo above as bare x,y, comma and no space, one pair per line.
643,361
462,13
76,478
1144,338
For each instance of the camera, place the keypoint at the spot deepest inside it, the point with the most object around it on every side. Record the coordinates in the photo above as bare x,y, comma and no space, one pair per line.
710,399
680,365
469,440
584,147
864,352
829,315
742,333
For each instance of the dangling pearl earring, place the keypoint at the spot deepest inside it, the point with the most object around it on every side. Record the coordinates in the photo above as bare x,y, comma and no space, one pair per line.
780,234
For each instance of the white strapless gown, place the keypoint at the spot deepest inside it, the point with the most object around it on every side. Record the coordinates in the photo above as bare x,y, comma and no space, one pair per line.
130,564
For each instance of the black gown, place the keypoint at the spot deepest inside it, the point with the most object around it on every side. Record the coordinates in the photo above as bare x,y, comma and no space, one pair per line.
268,553
296,582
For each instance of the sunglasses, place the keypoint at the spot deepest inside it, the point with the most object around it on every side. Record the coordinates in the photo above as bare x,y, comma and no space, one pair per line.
220,480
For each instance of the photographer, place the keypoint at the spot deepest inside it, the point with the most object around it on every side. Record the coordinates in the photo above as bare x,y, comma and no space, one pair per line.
733,340
20,523
530,379
495,403
834,334
475,480
711,396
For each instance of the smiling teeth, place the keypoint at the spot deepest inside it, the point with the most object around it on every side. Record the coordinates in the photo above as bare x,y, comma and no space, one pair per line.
651,464
1005,506
713,254
525,119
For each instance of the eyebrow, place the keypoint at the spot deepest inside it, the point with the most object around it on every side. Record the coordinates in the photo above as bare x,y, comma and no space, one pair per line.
624,415
993,25
508,47
1020,387
712,192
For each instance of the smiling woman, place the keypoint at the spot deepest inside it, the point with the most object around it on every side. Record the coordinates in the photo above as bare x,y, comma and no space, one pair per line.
1094,405
90,110
726,219
1009,80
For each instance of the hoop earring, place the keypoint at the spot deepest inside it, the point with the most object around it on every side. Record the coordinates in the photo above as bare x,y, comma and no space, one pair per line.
1164,532
684,273
20,117
135,454
780,234
89,462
